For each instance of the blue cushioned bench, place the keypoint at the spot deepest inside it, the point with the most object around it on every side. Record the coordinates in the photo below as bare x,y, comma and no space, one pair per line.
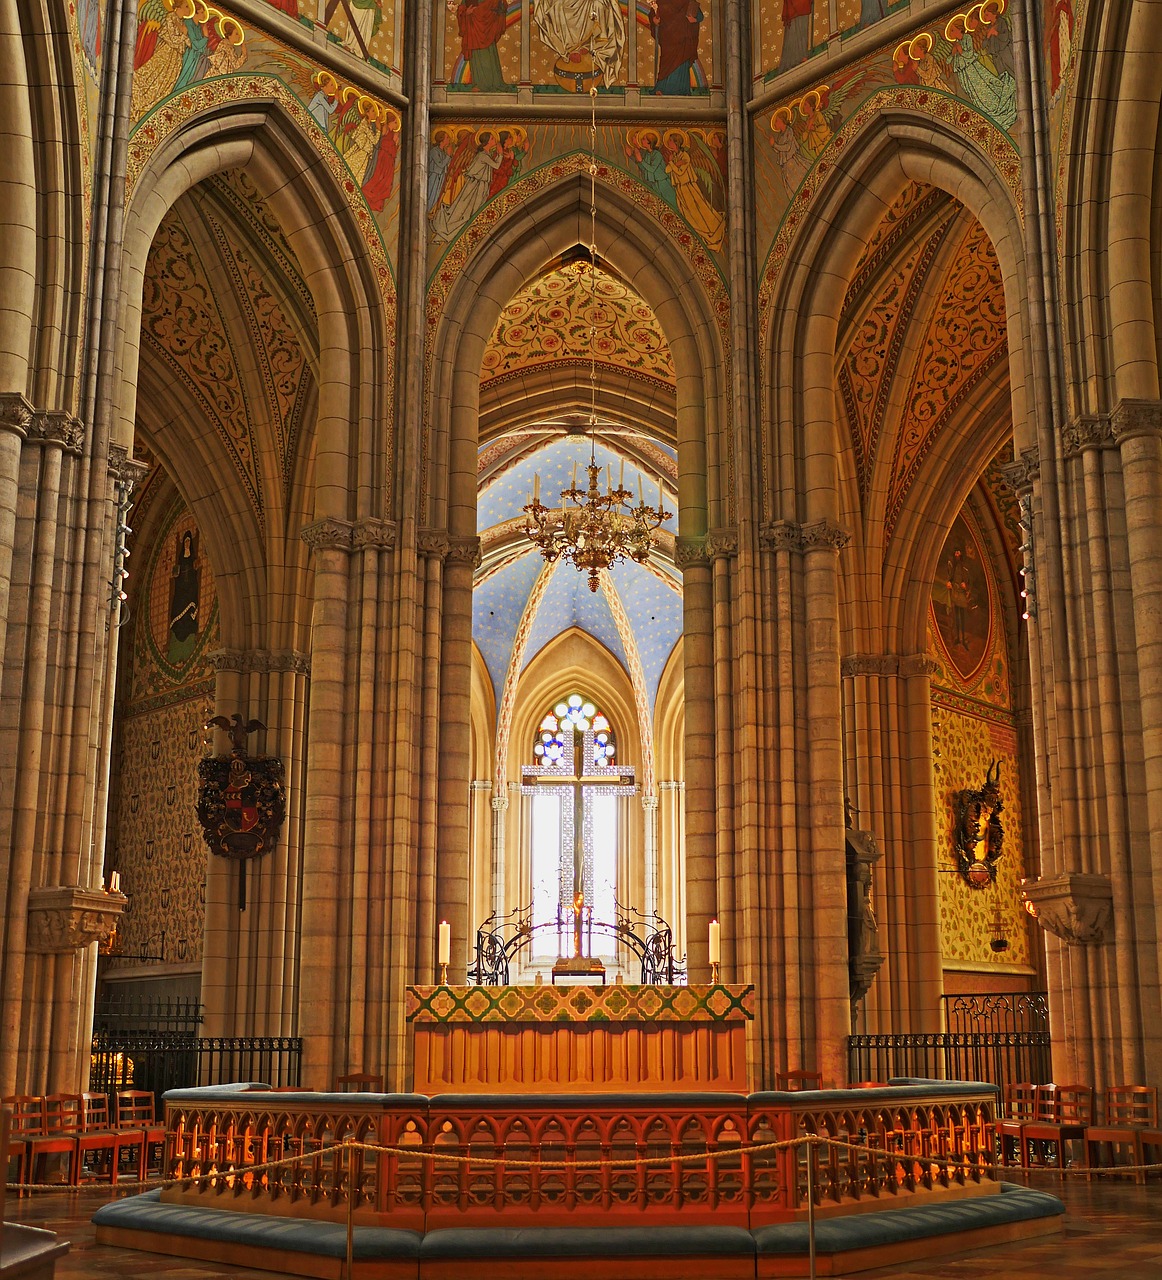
844,1245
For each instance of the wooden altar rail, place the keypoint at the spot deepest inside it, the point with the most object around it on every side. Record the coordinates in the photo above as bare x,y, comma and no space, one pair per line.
579,1159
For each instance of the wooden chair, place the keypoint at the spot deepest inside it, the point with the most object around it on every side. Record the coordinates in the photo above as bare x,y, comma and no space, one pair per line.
364,1082
26,1120
1064,1111
58,1136
133,1112
100,1134
1130,1111
1020,1109
797,1081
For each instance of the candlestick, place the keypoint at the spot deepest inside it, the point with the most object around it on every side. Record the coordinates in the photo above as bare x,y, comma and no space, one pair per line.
715,941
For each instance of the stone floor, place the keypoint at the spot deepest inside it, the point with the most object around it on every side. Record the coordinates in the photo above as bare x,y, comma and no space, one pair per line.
1112,1229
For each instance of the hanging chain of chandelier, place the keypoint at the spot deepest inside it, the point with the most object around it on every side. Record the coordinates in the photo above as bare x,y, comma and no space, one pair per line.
591,529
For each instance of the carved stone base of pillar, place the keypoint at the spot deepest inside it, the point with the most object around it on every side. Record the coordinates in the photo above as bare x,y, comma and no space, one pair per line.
69,918
1076,907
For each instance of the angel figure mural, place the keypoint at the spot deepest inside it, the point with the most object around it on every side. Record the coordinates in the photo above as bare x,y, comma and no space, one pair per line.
699,184
471,178
162,42
588,37
644,148
364,18
981,81
794,164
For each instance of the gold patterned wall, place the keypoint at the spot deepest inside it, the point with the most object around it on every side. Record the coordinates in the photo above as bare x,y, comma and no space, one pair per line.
169,690
973,725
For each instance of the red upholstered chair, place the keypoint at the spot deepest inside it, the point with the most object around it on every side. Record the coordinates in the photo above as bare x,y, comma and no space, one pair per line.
796,1081
1130,1111
1020,1109
1064,1111
133,1113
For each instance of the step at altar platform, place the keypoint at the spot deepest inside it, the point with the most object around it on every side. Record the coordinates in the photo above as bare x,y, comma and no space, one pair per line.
546,1039
578,1184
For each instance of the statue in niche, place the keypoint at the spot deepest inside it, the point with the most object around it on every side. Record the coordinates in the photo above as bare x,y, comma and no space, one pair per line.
185,598
970,809
864,956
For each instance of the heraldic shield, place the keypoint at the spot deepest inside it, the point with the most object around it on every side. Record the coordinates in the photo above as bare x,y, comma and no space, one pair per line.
241,799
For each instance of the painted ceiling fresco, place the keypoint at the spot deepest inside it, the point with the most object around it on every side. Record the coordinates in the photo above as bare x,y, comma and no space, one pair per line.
924,320
550,321
223,306
662,47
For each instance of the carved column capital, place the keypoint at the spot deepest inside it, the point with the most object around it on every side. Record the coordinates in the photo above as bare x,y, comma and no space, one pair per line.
781,535
870,664
1074,906
721,543
375,533
1086,431
15,413
690,552
1133,418
57,428
439,544
824,534
262,661
1020,474
918,664
500,804
329,534
126,470
68,918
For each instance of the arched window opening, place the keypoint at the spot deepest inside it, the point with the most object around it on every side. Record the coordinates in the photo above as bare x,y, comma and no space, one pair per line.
575,835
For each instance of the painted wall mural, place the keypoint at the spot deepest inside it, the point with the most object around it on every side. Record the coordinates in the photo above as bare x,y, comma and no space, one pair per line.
371,30
159,738
190,56
788,32
471,164
660,47
973,725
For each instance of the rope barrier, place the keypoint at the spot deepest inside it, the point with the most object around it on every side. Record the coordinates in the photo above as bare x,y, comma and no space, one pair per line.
946,1163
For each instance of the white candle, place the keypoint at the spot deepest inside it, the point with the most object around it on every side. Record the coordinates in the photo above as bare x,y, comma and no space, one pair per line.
715,942
445,943
621,475
537,486
660,507
115,882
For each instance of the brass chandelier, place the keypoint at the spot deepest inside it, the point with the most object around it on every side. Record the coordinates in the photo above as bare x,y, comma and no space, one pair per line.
591,529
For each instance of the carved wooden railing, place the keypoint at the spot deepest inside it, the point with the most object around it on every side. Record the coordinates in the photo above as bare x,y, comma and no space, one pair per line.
578,1159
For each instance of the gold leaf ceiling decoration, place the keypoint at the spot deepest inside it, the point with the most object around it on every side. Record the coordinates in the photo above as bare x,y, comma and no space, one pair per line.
549,322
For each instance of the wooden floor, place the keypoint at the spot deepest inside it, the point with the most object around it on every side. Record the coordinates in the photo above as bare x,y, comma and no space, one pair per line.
1113,1229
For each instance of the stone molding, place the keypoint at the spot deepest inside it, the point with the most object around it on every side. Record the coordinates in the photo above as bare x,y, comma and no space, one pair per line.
329,535
439,544
1075,906
126,470
717,544
500,804
888,664
261,661
1086,431
372,532
56,427
1133,418
69,918
15,413
1020,474
785,535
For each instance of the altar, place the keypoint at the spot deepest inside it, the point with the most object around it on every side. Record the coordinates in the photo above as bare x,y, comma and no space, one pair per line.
548,1039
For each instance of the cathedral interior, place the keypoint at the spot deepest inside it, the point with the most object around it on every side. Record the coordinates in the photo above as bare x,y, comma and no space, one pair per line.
306,306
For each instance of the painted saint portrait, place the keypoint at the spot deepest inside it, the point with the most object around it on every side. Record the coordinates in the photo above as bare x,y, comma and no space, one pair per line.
961,601
184,598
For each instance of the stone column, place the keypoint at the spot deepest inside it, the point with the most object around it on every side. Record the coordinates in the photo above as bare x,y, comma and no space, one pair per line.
499,825
650,853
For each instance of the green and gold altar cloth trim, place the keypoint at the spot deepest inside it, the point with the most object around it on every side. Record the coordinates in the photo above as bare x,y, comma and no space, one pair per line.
719,1003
